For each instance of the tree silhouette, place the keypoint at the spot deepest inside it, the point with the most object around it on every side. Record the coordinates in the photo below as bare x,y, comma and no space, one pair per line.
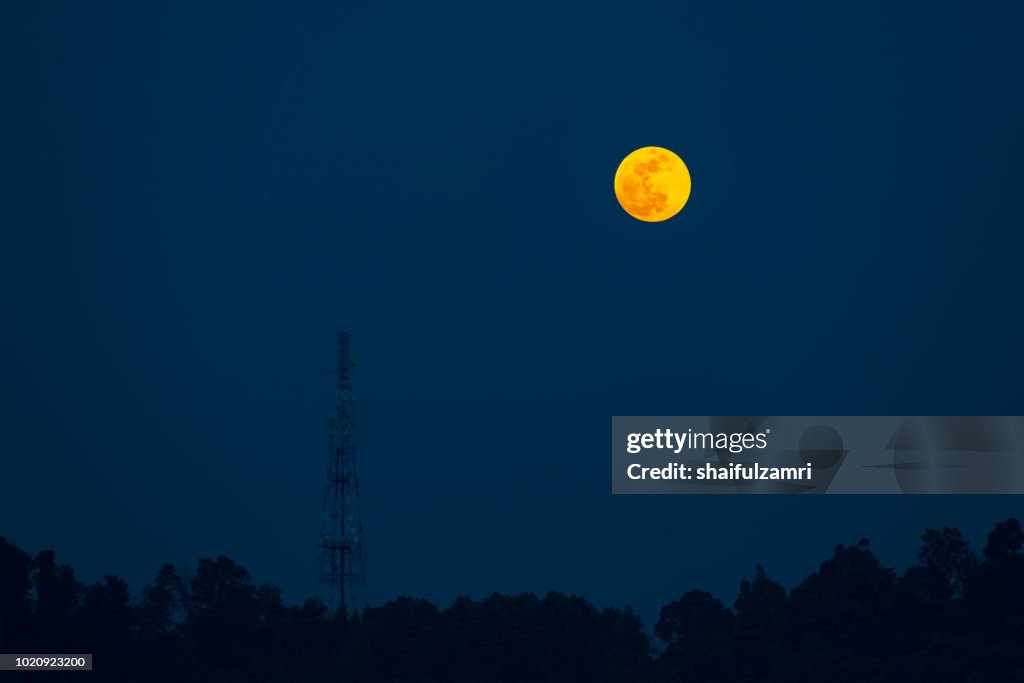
15,606
948,559
1005,541
955,615
57,594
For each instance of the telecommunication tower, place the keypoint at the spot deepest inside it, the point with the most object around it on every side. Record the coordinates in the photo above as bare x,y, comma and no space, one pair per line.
342,564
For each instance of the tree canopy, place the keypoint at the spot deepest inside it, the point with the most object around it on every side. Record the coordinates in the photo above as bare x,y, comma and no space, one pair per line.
954,615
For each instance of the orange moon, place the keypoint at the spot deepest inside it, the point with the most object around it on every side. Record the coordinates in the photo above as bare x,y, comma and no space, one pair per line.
652,184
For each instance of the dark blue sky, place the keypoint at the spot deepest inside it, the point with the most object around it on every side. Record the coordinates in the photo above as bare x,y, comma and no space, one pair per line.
194,199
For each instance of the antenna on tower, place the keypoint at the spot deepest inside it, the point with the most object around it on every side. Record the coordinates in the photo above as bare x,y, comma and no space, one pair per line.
342,564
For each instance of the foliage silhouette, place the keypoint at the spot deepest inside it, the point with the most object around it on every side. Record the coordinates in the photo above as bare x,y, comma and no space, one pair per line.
955,615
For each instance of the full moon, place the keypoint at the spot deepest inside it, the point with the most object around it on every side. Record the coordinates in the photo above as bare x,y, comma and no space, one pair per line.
652,184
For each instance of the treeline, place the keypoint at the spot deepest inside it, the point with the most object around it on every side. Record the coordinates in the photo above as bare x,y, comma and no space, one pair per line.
956,615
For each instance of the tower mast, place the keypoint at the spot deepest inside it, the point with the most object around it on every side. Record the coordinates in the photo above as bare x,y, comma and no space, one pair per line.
342,564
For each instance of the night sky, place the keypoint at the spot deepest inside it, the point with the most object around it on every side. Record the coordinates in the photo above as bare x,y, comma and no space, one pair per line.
195,197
